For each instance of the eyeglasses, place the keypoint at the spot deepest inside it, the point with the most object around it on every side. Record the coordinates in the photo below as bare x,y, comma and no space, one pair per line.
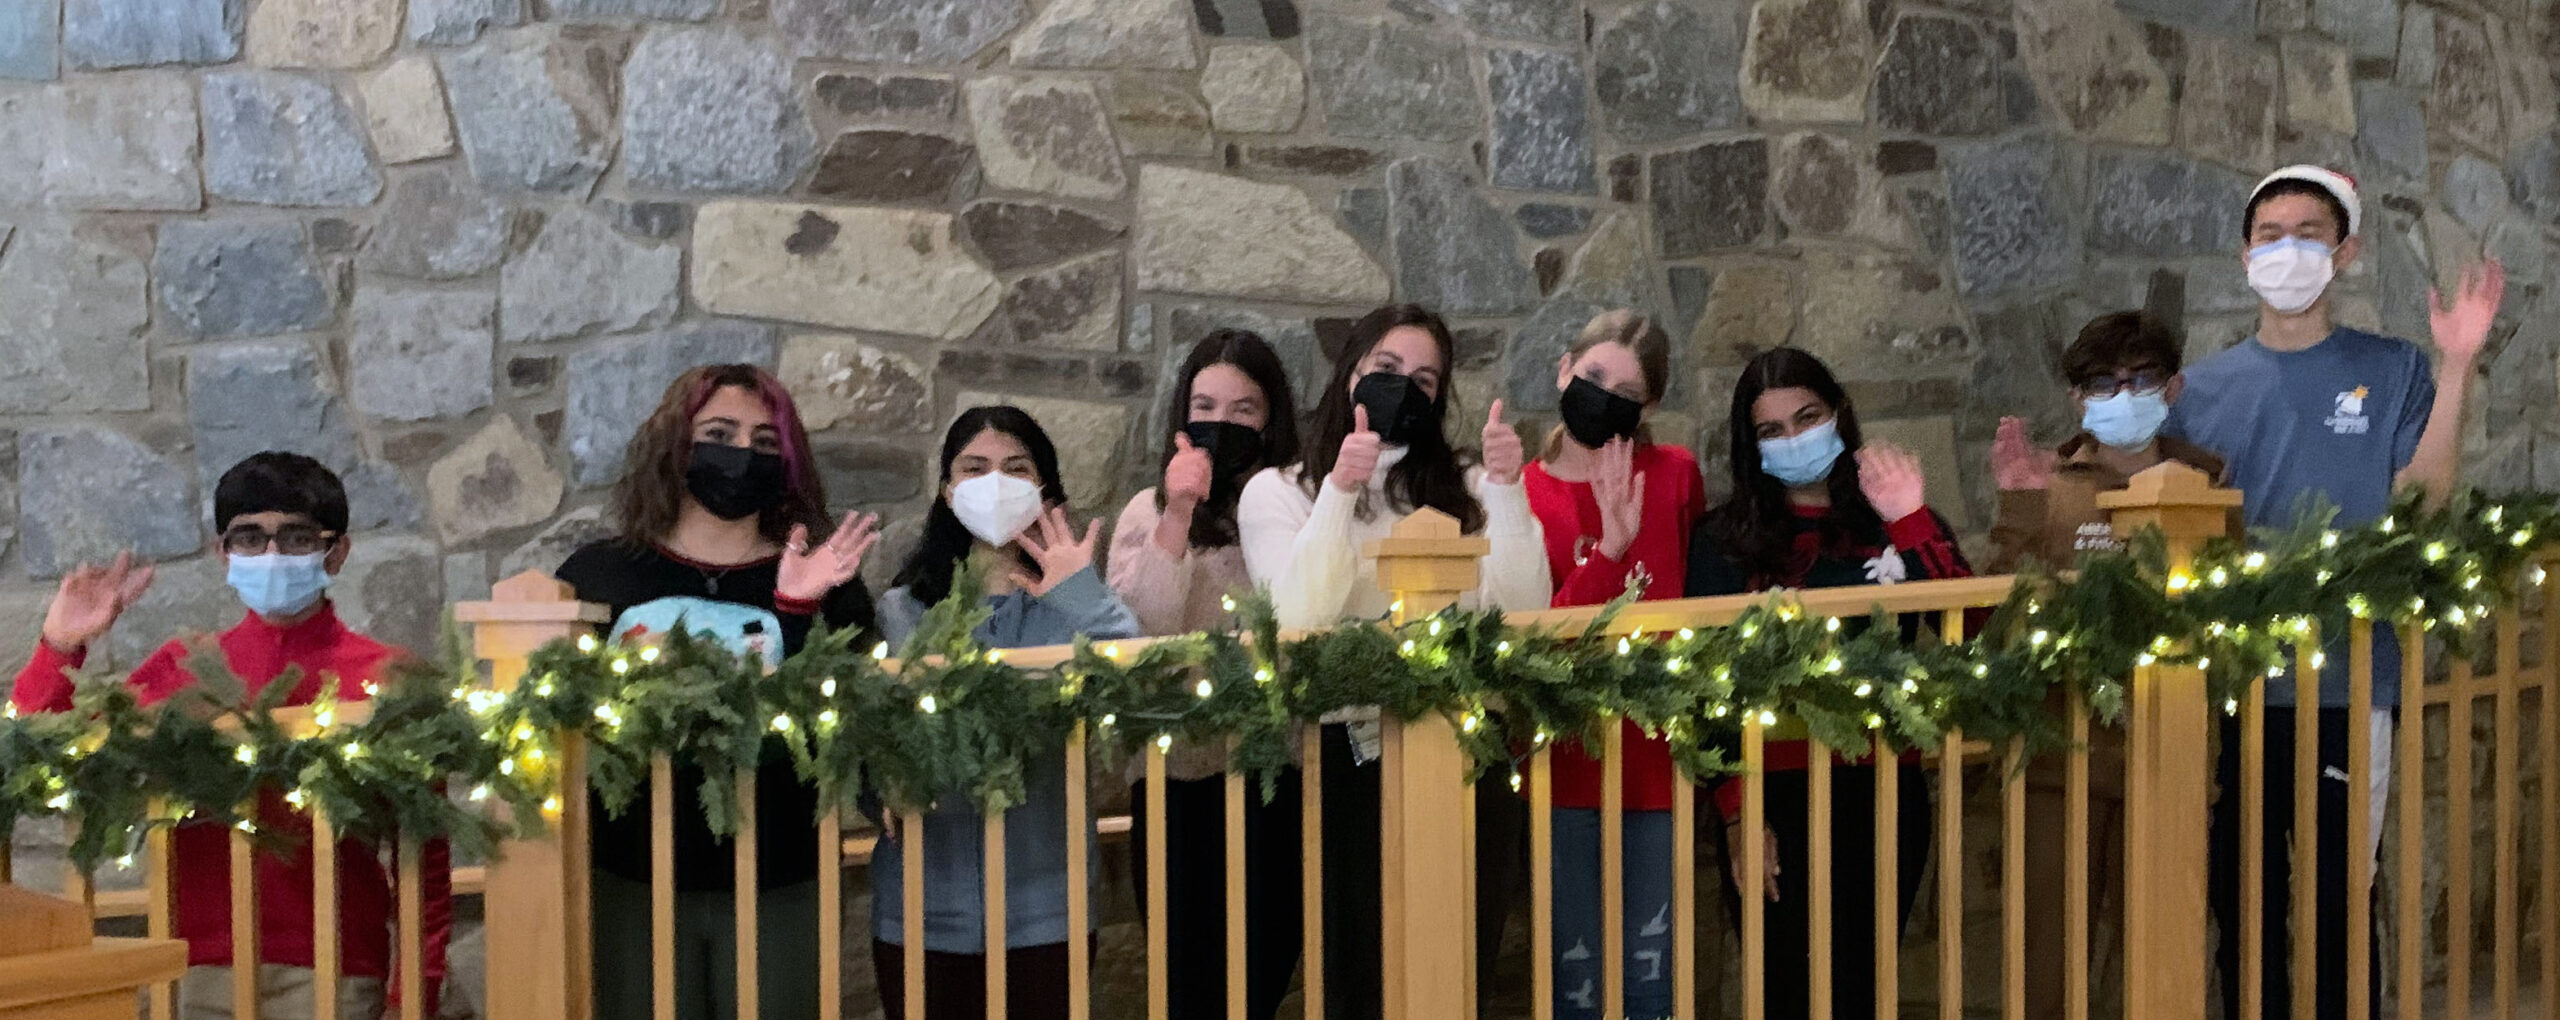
2141,384
291,540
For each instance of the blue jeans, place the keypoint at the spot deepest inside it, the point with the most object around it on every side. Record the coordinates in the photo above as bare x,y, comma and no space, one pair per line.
1647,867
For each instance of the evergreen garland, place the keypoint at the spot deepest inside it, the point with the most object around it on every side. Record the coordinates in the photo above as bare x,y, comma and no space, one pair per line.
951,722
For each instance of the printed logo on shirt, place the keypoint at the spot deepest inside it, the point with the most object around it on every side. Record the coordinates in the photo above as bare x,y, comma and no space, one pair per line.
2097,535
2349,418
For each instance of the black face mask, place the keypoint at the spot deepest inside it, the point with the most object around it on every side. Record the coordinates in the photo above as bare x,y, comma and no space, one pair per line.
734,482
1593,416
1398,409
1233,449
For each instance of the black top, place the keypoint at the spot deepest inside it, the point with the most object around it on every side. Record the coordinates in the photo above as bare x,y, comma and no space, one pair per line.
622,575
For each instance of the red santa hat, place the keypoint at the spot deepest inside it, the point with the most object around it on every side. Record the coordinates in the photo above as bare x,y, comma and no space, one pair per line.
2338,185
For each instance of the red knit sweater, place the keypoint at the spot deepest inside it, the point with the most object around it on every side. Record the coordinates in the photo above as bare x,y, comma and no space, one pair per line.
200,852
1570,516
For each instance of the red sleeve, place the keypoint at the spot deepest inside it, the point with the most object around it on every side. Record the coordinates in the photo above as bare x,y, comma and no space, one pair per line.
1729,799
45,684
1923,540
1595,582
785,605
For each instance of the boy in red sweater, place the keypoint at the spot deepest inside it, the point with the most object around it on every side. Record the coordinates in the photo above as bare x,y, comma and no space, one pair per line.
282,519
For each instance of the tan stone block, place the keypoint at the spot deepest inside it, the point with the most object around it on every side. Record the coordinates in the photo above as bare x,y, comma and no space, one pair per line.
2228,111
1254,88
1049,135
885,270
835,378
2318,91
1750,308
1807,60
404,111
496,480
322,33
2091,66
1206,233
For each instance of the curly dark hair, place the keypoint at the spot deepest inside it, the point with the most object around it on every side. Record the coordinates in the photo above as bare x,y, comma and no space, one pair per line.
651,494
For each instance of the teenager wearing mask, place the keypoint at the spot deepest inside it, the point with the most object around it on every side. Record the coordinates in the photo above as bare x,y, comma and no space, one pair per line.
1001,509
1175,561
1813,507
2123,373
282,522
2309,408
1616,509
715,513
1376,452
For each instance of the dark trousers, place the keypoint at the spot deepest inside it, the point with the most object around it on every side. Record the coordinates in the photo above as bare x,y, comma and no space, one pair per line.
1035,983
1353,984
1195,864
2336,799
1787,926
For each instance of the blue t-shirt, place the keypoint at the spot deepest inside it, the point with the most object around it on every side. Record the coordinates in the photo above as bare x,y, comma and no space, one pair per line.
2337,421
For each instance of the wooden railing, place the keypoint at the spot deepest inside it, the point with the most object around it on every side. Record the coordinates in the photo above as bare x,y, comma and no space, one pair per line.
536,893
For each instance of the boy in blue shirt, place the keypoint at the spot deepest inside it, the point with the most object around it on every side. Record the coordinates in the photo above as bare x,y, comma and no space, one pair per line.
2310,408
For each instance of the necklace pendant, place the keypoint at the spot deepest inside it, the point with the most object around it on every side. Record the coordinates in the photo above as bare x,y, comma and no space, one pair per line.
711,585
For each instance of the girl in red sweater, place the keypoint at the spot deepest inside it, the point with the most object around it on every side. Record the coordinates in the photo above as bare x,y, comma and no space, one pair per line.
1812,509
1616,508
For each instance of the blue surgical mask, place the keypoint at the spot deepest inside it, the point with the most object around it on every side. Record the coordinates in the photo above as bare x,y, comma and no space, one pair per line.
1803,458
275,585
2126,421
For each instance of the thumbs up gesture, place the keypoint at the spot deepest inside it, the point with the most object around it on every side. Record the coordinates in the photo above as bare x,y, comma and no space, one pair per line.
1503,452
1358,459
1186,476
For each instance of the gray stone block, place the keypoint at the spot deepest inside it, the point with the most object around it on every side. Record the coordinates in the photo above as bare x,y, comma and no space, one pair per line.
2534,177
74,326
534,113
620,10
2391,129
1455,252
1387,79
2011,216
419,355
2164,206
87,493
100,35
230,278
1553,22
1666,71
1710,196
711,110
284,139
614,386
1939,76
2475,191
433,230
580,275
117,142
460,22
2218,17
1542,220
1541,127
1017,235
1247,19
897,31
31,39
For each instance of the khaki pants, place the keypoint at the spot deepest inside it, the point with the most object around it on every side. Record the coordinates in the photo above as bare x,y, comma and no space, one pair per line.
284,993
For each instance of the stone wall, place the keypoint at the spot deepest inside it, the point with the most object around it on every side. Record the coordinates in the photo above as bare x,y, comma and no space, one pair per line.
455,248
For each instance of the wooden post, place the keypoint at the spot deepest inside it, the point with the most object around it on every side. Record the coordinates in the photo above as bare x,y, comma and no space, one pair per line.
1425,564
538,944
2169,770
51,969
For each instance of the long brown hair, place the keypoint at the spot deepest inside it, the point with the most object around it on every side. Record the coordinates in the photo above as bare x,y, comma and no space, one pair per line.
1213,526
1641,334
650,496
1432,474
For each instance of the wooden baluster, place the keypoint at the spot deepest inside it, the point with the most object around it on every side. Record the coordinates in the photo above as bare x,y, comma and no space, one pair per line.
1425,563
1542,883
911,861
539,945
1613,870
2075,865
1684,899
2508,917
1079,893
2169,774
1755,865
831,914
1235,863
1311,867
662,886
159,898
1817,878
2306,845
324,918
993,839
245,951
2013,882
1951,849
2548,755
743,892
2410,884
2459,820
1159,996
413,919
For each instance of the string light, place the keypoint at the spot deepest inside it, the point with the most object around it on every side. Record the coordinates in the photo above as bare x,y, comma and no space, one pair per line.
827,717
1624,646
2328,540
1866,689
1502,648
927,705
1406,649
246,754
1227,602
1831,624
649,654
2254,562
1768,718
782,724
1435,626
480,793
621,666
827,687
1204,690
587,643
880,652
1164,742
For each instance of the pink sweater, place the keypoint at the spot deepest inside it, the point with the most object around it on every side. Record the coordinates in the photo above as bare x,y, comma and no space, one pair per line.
1174,595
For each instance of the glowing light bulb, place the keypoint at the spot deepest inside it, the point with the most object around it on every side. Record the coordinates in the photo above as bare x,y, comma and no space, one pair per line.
1204,690
926,704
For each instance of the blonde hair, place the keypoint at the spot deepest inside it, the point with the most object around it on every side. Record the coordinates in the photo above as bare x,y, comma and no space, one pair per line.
1638,332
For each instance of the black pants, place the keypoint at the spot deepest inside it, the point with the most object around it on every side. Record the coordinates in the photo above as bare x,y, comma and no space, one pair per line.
1787,926
1195,864
1353,985
1035,982
2336,799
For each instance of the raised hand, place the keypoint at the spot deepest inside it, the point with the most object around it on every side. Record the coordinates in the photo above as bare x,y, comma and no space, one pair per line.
1768,855
2017,464
1358,458
1620,492
1503,452
809,572
90,599
1186,476
1891,481
2461,327
1053,544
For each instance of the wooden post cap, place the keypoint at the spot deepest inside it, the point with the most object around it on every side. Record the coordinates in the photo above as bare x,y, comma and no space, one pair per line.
1428,534
32,922
531,597
2168,484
